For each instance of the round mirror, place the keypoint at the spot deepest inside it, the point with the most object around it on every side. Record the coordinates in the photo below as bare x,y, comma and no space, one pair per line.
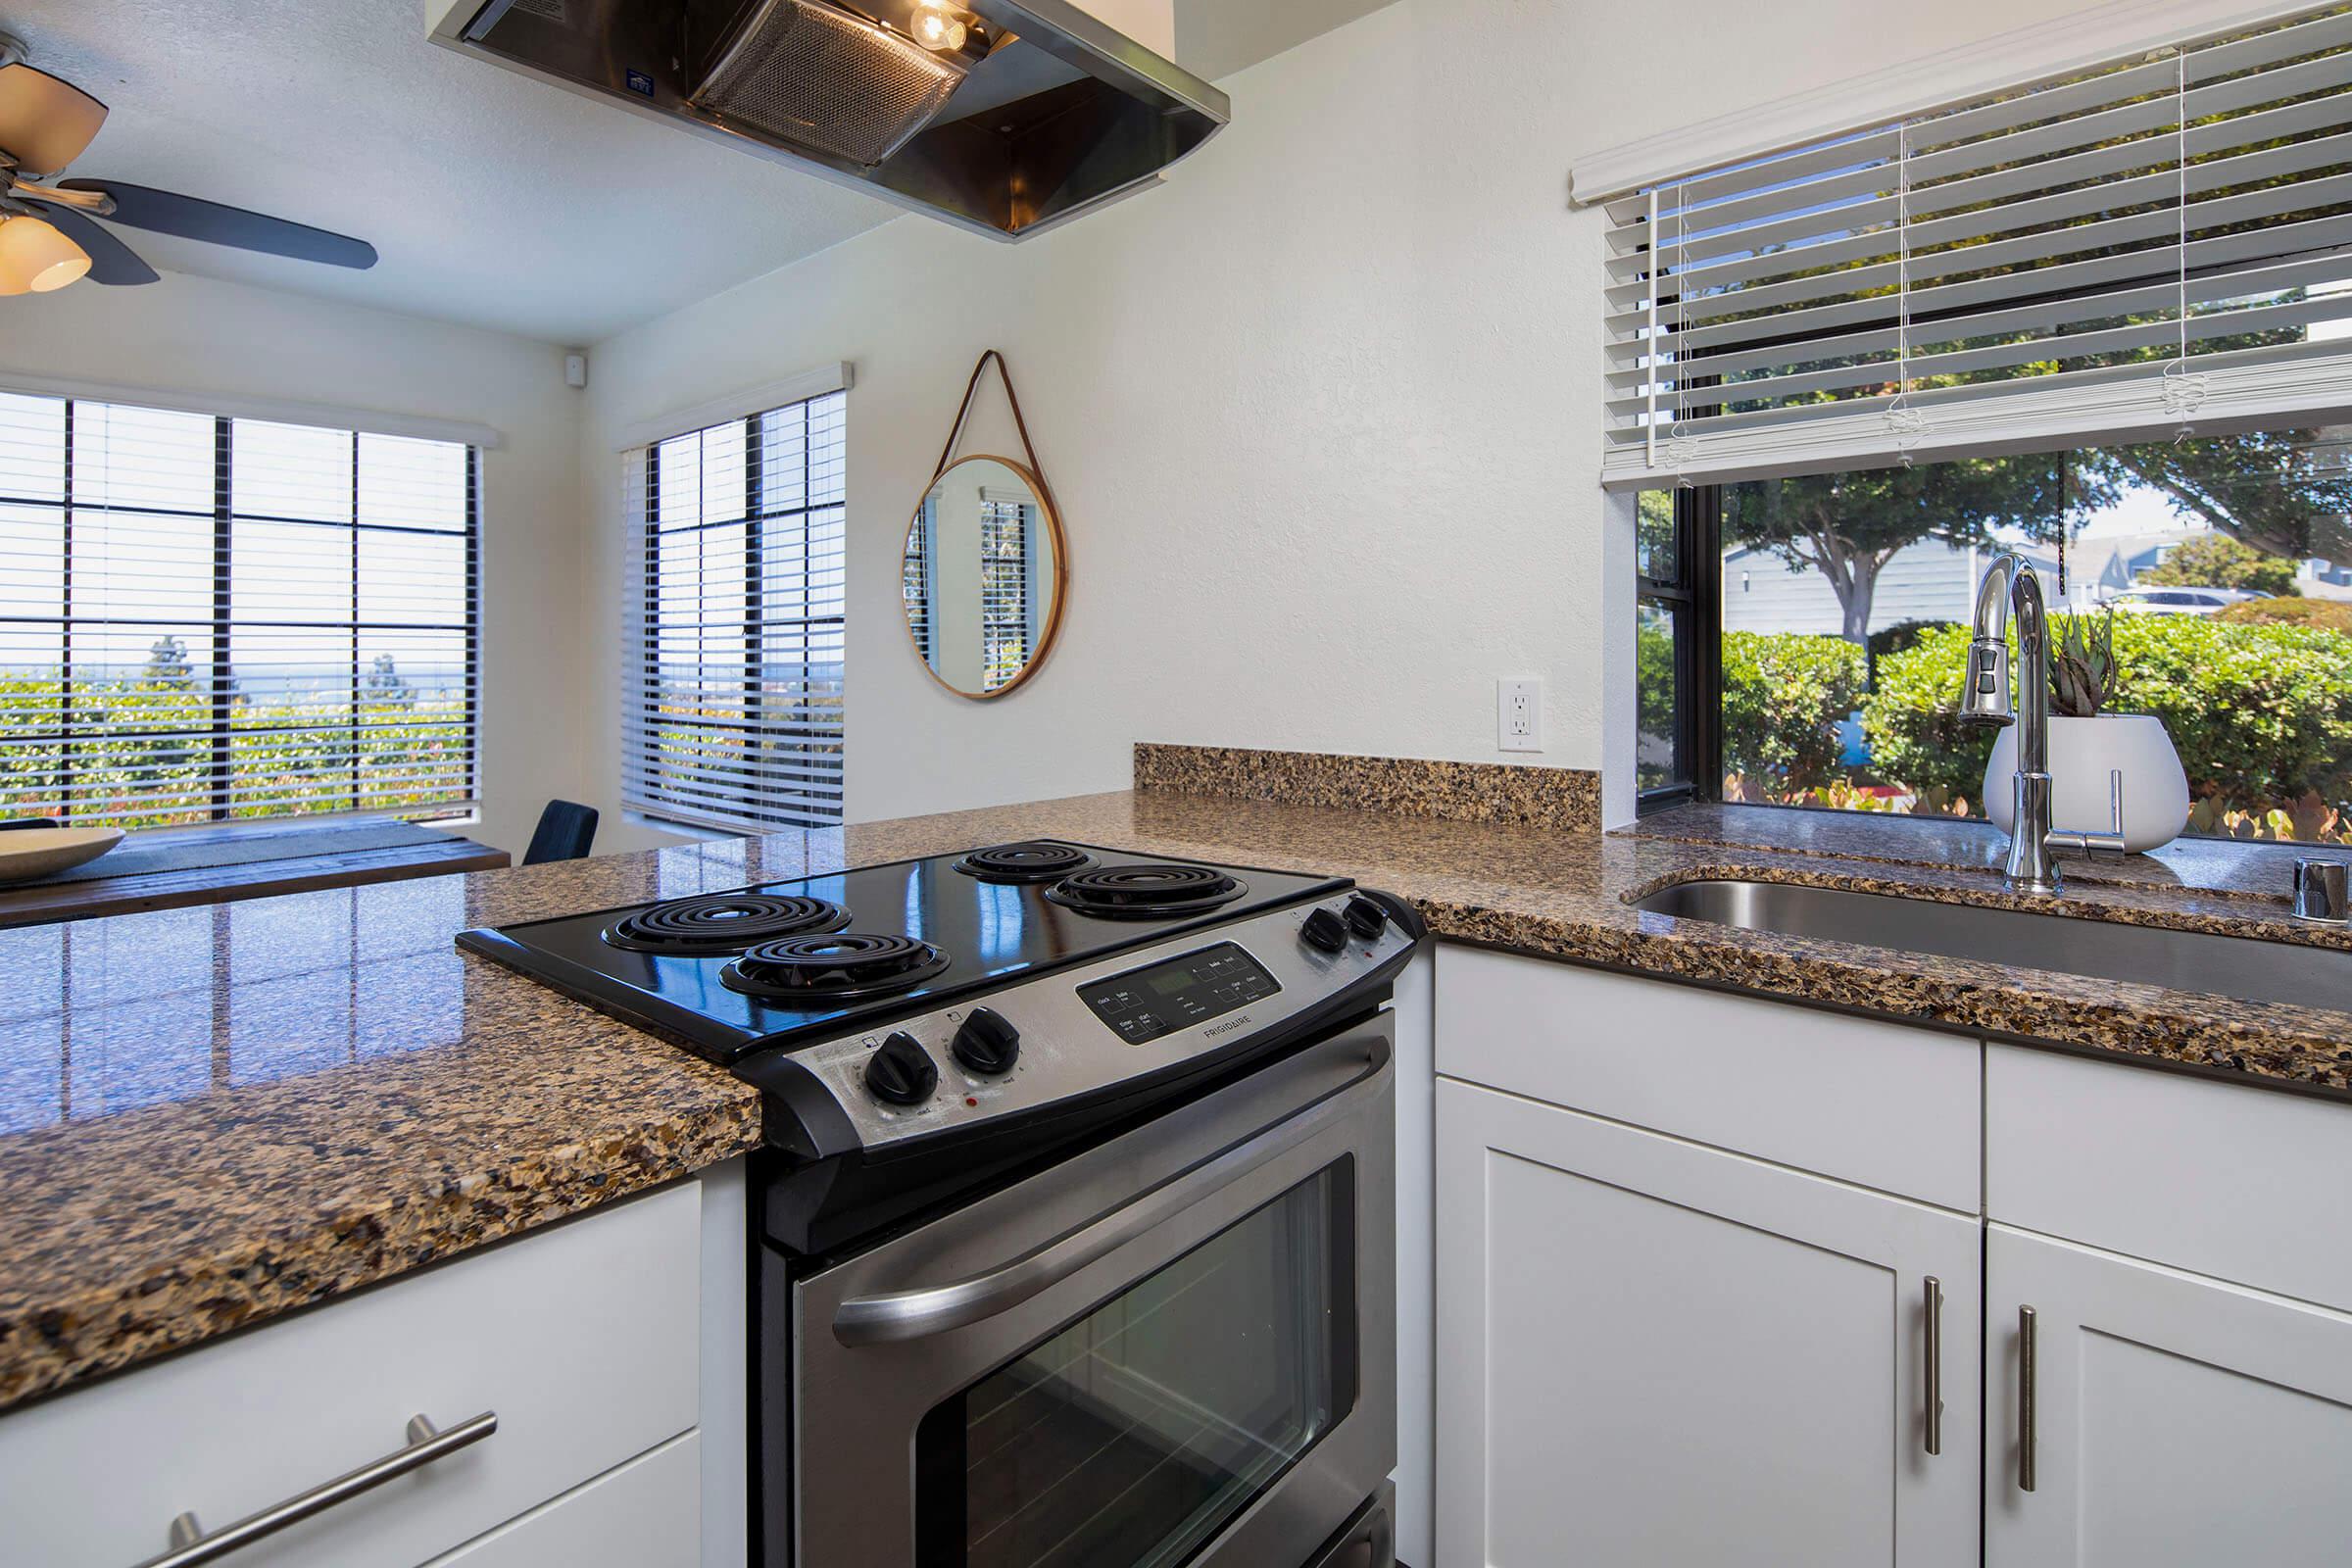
982,577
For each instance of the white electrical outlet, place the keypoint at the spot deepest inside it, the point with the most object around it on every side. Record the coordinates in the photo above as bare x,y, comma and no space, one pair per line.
1519,714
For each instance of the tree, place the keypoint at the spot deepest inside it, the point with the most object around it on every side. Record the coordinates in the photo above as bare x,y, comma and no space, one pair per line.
2281,492
384,686
167,665
1847,526
2216,560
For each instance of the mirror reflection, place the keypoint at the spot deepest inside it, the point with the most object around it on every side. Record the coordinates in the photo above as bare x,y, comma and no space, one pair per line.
982,577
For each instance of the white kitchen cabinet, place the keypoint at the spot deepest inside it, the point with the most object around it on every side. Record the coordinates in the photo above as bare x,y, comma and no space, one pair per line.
1655,1352
587,1340
2179,1422
641,1515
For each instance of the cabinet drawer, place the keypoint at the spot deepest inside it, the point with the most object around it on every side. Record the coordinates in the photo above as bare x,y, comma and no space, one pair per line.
1877,1103
582,1339
646,1512
2237,1183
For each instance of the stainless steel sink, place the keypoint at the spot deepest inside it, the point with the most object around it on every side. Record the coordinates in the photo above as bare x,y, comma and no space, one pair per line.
2184,961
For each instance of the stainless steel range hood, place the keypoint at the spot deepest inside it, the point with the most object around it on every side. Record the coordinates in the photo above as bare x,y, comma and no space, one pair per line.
1037,112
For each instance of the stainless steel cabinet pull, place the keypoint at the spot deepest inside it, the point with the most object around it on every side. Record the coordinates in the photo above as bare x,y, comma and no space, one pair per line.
191,1546
1934,1289
2024,1398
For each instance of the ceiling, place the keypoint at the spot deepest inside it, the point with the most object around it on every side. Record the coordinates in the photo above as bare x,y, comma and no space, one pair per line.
493,200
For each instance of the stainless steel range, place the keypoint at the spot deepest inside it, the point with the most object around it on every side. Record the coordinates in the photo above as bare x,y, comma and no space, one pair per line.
1075,1231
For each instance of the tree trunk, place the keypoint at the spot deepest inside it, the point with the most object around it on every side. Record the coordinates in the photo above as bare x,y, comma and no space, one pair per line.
1856,585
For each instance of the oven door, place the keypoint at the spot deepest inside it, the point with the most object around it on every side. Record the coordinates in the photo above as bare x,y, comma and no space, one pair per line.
1178,1346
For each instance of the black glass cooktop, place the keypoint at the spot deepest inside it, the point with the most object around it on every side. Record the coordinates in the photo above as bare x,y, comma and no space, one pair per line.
788,962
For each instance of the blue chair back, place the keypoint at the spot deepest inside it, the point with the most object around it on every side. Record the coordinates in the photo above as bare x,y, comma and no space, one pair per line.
566,831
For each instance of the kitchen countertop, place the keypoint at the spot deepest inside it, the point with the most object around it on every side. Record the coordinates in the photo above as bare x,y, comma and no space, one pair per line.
211,1116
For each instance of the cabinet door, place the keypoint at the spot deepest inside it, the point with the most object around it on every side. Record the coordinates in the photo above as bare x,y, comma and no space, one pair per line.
1653,1352
2179,1422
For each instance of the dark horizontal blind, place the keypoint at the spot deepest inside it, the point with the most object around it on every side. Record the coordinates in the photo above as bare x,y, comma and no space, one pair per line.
205,617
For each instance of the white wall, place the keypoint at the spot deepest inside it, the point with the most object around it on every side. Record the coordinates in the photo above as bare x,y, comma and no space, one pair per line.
198,335
1323,407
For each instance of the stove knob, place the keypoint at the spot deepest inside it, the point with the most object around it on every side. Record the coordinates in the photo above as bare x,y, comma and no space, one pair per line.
985,1043
1365,917
901,1072
1324,929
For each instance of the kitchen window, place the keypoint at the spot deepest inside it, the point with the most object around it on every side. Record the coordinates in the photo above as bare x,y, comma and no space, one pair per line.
733,696
206,618
2222,559
2103,318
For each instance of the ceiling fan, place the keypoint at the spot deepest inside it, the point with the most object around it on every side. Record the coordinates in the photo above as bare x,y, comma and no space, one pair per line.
49,233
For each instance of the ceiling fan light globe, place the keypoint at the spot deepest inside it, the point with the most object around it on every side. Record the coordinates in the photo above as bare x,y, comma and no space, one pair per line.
34,258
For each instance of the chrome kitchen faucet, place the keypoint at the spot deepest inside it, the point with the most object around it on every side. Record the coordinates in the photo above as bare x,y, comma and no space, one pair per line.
2009,584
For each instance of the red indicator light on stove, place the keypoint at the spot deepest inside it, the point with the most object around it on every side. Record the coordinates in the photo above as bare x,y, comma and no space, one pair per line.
970,1099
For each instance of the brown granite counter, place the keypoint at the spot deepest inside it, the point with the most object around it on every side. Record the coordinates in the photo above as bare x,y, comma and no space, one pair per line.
210,1116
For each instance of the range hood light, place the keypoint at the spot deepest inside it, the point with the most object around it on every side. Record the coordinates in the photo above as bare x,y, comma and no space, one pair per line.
938,28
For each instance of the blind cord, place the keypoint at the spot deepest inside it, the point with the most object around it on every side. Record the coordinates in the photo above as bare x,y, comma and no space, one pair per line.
2184,389
1903,422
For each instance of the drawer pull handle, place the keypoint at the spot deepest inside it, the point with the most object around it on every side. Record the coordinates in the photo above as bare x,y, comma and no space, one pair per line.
1934,1290
2027,1377
191,1545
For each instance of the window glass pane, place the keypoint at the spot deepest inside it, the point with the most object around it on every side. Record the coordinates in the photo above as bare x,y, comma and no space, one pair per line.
1654,536
2223,560
125,457
1138,1431
411,579
140,565
32,448
1654,760
289,571
413,484
290,470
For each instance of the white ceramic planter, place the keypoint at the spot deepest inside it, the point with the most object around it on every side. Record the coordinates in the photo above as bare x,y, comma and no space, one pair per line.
2083,753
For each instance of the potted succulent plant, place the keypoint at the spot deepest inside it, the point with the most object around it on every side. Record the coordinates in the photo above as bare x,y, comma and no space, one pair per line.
2088,745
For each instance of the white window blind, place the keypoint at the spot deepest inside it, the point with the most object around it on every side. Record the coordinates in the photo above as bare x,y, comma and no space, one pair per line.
1005,632
205,617
733,697
2158,245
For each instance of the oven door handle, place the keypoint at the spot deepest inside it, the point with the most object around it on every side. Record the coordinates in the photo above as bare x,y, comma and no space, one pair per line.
1332,1071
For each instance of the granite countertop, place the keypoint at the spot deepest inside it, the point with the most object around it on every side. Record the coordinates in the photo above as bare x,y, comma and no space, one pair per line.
210,1116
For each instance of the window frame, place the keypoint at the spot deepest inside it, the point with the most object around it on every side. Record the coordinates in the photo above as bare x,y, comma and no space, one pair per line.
744,811
1695,594
221,802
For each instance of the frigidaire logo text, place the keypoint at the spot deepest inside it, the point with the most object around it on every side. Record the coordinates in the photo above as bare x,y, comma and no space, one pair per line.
1225,1028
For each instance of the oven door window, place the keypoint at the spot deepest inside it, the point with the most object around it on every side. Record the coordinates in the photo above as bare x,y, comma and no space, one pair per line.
1135,1434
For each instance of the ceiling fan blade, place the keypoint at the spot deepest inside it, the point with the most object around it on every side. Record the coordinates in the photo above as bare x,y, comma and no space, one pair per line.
111,261
45,122
168,212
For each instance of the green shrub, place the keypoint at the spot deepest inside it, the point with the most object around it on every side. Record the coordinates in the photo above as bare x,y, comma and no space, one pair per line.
2255,710
2216,560
2333,613
1784,696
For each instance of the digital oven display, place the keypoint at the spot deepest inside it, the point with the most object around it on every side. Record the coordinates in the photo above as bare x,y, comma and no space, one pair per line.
1145,1004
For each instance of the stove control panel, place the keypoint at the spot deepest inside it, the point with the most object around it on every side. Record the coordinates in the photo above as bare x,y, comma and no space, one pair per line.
1041,1040
1145,1004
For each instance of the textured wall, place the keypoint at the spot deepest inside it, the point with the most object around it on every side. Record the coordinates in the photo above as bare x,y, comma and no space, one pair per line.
1320,411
